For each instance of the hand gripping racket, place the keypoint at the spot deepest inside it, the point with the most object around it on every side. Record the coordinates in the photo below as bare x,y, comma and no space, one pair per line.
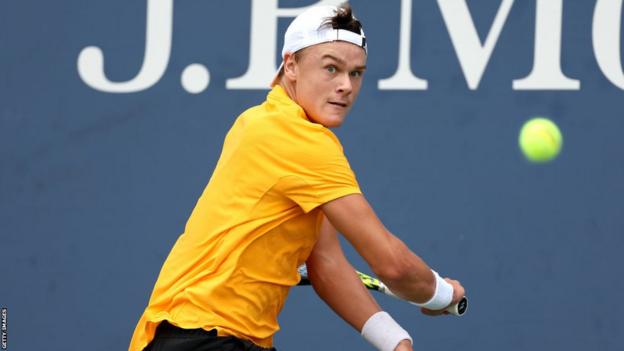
458,309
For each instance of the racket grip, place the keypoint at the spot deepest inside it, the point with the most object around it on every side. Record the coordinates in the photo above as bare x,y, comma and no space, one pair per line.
458,309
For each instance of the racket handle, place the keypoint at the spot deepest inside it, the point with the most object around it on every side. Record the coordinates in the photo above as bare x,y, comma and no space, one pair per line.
459,308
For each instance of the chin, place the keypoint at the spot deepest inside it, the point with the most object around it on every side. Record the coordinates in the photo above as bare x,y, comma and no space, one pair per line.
330,124
329,120
332,121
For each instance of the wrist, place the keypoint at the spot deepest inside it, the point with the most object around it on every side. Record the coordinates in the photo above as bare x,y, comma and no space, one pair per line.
383,332
442,296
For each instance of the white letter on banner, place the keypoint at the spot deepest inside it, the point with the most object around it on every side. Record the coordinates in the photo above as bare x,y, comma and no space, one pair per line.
473,56
263,42
606,38
546,73
155,61
403,78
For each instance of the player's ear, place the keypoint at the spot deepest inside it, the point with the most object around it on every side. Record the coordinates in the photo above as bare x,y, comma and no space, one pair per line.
290,66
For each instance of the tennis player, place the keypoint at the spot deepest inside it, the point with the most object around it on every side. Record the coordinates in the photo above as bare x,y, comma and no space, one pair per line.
281,190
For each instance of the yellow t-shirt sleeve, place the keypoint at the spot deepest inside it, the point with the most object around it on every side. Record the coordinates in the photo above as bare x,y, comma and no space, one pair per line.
319,172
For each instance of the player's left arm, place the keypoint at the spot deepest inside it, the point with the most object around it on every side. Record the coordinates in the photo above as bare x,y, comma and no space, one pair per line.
336,282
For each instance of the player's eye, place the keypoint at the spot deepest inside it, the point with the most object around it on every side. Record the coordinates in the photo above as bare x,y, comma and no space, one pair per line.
356,74
331,69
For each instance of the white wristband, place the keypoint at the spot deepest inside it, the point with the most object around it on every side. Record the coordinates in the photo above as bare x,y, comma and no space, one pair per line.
383,332
442,297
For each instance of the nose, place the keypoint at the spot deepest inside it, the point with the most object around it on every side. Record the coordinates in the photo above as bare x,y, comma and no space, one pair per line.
345,86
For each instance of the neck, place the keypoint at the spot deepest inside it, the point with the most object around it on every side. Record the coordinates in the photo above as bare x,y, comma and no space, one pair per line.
289,88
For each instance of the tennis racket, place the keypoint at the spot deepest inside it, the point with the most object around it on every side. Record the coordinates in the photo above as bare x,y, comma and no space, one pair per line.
458,309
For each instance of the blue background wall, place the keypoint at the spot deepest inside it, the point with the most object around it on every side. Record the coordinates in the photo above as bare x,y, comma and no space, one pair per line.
96,187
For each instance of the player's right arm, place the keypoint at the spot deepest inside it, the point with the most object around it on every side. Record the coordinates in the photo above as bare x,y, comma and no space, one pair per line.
406,274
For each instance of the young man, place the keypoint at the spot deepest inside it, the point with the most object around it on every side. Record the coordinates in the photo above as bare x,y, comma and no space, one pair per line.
279,193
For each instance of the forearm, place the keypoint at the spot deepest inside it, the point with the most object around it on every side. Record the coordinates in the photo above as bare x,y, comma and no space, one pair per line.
406,274
403,271
336,282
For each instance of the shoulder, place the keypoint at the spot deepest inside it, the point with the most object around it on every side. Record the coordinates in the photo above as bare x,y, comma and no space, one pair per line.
286,134
274,125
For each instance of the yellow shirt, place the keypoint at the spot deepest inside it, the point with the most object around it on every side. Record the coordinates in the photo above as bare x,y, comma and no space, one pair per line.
255,223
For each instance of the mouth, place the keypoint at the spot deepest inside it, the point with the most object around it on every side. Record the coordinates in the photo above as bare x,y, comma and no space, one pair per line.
338,103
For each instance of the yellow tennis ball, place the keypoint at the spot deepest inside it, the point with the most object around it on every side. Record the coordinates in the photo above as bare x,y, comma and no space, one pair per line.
540,140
